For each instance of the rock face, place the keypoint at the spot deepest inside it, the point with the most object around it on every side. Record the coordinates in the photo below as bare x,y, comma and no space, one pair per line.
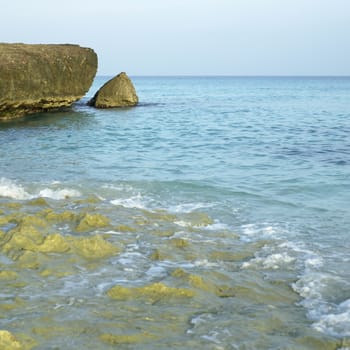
36,78
117,92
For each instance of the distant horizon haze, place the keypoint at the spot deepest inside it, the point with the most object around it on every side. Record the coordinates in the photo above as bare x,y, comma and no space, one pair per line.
193,37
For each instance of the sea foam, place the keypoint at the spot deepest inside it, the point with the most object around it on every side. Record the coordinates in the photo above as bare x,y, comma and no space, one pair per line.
136,201
11,189
273,261
336,323
328,316
59,194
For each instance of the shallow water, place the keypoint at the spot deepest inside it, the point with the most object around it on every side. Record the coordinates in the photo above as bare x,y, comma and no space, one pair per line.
214,215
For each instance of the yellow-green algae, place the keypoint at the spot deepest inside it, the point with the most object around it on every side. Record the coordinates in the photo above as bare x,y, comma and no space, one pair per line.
54,254
12,205
91,222
28,260
8,275
199,282
54,243
34,221
152,292
231,255
158,255
82,222
320,343
138,338
94,247
160,215
62,217
38,202
179,242
4,220
92,199
12,304
259,290
22,238
58,274
49,332
9,341
124,228
196,220
164,233
33,233
48,329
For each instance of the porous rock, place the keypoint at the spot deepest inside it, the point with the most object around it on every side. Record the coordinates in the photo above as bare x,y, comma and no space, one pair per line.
37,78
117,92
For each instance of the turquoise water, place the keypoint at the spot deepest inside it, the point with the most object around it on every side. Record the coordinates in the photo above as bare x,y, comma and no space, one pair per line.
250,175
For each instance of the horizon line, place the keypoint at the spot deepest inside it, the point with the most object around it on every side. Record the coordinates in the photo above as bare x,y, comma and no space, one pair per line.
232,75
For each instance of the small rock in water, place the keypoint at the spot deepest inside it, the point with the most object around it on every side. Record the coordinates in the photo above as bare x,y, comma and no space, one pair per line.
117,92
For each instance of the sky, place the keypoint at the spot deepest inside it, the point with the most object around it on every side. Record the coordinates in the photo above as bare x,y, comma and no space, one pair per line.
192,37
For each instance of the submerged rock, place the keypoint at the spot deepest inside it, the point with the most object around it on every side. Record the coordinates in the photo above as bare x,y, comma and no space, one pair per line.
151,293
117,92
36,78
196,281
94,247
92,221
127,338
54,243
34,234
8,275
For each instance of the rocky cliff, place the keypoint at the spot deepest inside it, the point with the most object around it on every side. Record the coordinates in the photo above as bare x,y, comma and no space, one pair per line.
36,78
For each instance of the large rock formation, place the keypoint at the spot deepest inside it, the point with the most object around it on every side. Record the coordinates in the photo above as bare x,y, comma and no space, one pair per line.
35,78
117,92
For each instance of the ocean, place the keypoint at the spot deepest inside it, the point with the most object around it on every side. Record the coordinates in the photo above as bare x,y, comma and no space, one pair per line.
214,215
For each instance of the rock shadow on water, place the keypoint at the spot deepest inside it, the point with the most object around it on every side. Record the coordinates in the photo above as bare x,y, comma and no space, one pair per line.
150,104
61,119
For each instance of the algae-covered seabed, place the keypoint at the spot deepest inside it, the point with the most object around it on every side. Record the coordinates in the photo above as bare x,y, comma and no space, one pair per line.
87,274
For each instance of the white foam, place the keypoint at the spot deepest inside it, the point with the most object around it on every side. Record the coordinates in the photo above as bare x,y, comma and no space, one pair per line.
188,207
276,260
273,261
337,323
204,262
319,289
260,231
313,262
156,271
12,190
216,226
59,194
131,202
182,223
328,317
121,187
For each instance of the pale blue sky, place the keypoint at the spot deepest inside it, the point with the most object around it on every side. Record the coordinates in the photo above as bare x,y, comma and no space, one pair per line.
192,37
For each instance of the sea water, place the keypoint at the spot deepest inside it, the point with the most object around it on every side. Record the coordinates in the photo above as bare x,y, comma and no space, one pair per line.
214,215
